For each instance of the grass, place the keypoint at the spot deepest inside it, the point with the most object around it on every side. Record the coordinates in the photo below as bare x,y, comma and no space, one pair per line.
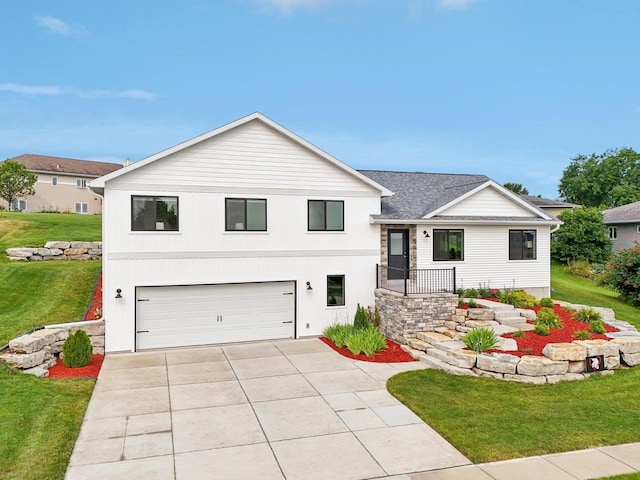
40,423
490,420
41,418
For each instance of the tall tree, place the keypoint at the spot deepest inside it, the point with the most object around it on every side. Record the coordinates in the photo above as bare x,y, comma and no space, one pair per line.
583,236
516,188
607,180
15,181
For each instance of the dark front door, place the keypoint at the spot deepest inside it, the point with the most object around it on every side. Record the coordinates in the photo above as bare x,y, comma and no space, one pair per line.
398,256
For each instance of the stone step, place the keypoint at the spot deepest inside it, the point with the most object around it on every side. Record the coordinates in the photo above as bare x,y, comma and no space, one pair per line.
450,345
417,344
432,337
412,351
497,306
437,364
500,314
458,358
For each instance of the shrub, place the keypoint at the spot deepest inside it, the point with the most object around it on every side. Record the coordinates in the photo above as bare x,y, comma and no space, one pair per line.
471,293
541,329
338,333
546,316
77,349
460,302
597,326
587,315
360,321
581,335
98,313
484,291
622,273
367,340
518,298
373,316
580,268
480,339
546,302
518,334
582,237
472,304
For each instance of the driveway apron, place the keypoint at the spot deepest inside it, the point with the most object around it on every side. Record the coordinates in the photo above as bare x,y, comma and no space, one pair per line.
289,410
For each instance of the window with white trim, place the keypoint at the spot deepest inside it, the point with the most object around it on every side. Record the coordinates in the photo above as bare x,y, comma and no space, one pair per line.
81,182
522,244
245,214
613,233
82,207
448,244
54,181
19,205
325,215
335,290
151,214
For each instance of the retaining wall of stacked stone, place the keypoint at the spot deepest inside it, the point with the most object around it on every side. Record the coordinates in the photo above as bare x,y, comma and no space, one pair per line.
402,317
57,250
38,351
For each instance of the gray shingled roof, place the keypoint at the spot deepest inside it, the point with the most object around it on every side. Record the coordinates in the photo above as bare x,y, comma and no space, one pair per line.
629,213
542,202
44,163
417,194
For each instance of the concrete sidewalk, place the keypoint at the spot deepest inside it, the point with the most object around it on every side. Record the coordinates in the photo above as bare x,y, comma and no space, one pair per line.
272,410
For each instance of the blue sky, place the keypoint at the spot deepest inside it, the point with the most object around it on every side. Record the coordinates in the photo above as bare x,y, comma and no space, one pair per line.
512,89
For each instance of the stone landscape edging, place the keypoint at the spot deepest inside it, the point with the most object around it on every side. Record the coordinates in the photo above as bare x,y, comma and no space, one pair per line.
57,250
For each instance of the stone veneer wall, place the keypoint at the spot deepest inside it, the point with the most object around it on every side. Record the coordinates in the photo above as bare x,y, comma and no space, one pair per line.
38,351
56,250
402,317
384,247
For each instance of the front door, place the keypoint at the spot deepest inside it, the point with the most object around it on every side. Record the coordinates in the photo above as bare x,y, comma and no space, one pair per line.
398,256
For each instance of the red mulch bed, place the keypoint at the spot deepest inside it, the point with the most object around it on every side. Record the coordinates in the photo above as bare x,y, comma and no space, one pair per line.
392,354
532,343
96,302
90,371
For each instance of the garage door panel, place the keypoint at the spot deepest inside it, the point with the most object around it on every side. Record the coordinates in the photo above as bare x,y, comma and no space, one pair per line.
206,314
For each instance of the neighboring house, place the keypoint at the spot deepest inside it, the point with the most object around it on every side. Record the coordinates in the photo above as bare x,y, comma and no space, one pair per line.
249,232
490,235
623,223
550,207
62,184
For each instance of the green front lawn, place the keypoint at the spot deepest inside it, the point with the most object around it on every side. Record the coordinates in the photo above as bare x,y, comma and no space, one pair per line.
489,420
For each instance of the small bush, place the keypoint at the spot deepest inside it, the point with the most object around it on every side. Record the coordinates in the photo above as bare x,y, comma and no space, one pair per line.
541,329
518,334
373,316
77,349
484,292
460,302
580,268
587,315
546,316
480,339
360,321
581,335
546,302
367,340
98,313
597,326
518,298
472,304
471,293
622,273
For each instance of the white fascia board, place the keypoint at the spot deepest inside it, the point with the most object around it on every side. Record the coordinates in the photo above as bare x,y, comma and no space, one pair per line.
100,182
451,221
502,190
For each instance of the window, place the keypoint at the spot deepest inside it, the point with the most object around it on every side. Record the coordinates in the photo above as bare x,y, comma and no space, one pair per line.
637,228
325,215
335,290
81,182
613,233
522,244
245,214
19,205
82,207
448,245
54,181
150,214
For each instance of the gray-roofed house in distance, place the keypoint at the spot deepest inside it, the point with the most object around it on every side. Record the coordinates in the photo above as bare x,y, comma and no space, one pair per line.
62,184
623,223
492,236
547,205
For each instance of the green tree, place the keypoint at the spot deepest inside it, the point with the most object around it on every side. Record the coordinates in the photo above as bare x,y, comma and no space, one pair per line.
15,181
610,179
516,188
623,273
583,236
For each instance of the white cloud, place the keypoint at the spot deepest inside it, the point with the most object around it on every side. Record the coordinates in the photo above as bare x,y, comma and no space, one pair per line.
286,7
76,92
60,27
460,4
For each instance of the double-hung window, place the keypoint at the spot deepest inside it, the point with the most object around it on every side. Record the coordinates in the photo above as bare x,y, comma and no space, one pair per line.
448,245
522,244
82,207
150,214
325,215
54,181
613,232
80,182
245,214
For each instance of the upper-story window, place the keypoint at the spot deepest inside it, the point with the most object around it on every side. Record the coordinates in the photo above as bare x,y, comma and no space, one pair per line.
81,182
54,181
325,215
448,244
613,232
245,214
149,214
522,244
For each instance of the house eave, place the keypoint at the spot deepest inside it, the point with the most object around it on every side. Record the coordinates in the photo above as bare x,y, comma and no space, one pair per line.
449,221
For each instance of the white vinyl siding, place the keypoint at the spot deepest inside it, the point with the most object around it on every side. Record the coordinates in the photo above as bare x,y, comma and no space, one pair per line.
487,203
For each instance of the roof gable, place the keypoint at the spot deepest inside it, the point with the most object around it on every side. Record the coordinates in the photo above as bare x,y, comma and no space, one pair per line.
70,166
201,149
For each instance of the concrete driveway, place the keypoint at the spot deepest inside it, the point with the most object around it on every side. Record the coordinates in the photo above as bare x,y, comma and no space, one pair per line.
272,410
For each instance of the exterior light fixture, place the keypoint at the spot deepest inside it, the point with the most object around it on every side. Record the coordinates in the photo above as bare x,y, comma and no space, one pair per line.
309,286
118,293
426,234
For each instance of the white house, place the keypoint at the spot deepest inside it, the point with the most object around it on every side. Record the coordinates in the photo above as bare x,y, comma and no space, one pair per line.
246,232
249,232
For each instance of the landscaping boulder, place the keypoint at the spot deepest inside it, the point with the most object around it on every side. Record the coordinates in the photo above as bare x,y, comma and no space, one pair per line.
567,377
497,362
627,345
56,244
21,252
599,347
565,351
525,379
537,366
630,359
25,360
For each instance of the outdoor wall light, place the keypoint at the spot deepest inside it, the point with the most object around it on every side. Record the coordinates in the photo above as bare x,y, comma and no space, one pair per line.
309,286
426,234
118,293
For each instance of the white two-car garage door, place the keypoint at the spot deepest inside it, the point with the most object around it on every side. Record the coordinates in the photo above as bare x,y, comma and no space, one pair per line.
206,314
